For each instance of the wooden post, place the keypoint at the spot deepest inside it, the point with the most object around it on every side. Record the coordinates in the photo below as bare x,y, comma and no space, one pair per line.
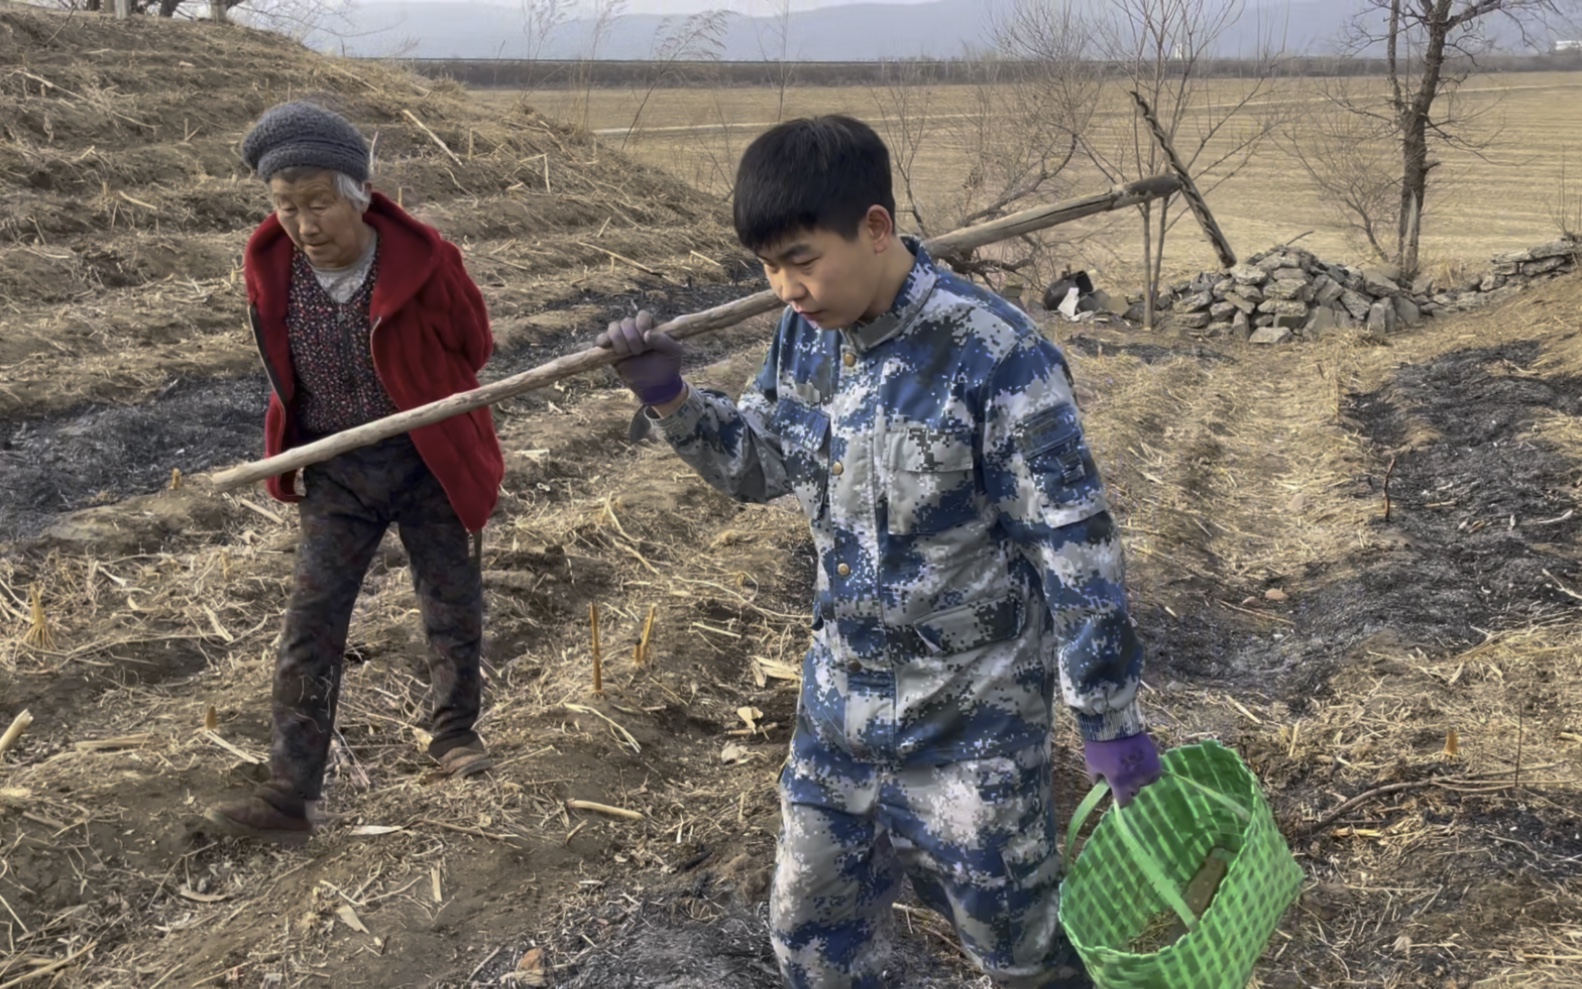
682,327
217,11
1189,192
123,9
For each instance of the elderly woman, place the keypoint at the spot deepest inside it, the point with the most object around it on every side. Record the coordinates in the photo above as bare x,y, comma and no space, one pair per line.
361,311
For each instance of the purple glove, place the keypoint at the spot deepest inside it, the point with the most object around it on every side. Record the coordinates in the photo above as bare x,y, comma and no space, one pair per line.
1127,764
650,363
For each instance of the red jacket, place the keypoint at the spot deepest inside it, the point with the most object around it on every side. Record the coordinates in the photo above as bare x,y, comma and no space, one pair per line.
430,339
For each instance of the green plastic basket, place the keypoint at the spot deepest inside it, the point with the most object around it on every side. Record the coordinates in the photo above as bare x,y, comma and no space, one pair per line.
1139,859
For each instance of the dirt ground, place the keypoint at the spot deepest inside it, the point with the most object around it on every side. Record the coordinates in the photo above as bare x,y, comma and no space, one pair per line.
1341,556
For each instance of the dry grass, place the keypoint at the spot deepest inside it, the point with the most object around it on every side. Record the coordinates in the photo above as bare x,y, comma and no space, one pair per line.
1187,438
1235,479
120,246
1385,851
1232,477
698,133
579,777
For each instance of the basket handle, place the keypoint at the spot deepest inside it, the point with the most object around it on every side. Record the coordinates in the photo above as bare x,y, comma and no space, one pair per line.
1146,862
1080,816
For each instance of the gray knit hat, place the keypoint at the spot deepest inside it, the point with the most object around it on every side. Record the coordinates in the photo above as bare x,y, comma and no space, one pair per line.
305,135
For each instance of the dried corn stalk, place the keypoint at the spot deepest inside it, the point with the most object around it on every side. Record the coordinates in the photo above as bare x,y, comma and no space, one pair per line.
598,658
38,635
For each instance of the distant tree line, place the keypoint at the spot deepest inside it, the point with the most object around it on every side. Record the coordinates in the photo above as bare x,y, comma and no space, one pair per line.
568,74
159,8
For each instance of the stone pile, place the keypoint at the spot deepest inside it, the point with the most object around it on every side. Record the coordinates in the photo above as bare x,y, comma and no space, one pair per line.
1288,294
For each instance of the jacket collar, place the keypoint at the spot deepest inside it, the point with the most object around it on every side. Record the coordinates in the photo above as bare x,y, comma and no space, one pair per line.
408,257
906,309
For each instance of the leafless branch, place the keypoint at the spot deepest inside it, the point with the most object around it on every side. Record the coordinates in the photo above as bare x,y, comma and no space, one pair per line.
1431,48
1159,49
698,38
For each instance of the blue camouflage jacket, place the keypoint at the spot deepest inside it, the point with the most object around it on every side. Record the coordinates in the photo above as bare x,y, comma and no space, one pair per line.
967,559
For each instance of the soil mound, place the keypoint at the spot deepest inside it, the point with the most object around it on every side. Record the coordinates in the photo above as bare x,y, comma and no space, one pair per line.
124,204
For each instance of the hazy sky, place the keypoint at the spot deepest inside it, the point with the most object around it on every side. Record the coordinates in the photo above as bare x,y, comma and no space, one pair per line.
762,7
740,6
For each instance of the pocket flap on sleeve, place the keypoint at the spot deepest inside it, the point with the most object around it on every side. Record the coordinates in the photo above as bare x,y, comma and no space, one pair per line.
1048,429
1052,437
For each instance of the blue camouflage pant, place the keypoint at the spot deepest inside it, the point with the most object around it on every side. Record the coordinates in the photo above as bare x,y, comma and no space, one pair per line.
977,838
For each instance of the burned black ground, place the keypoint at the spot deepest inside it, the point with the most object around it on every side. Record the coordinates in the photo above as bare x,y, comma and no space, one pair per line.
101,454
1478,510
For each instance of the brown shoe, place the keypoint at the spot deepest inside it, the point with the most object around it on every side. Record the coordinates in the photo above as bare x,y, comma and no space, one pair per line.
465,760
257,818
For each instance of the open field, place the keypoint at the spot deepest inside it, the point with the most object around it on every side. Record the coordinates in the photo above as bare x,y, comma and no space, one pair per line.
1479,205
1340,554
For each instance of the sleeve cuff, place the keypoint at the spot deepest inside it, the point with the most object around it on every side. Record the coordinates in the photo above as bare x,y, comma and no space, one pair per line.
681,424
1123,722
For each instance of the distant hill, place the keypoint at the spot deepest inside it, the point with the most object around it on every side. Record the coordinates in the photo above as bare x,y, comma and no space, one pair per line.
853,32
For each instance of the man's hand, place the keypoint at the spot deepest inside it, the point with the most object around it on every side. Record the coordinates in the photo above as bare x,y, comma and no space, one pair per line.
650,362
1127,764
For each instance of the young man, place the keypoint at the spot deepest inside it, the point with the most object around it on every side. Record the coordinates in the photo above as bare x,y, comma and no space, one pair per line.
966,561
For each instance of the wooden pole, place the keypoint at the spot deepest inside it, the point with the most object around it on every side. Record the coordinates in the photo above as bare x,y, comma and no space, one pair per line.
123,9
432,136
682,327
1189,192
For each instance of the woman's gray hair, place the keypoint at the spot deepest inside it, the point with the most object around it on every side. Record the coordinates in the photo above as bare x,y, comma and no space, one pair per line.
353,191
346,187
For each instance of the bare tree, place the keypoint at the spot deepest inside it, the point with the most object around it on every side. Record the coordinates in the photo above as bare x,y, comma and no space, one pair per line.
605,14
1159,49
540,20
1035,96
1565,206
1028,105
294,18
1044,87
1353,162
776,49
698,38
1430,48
902,102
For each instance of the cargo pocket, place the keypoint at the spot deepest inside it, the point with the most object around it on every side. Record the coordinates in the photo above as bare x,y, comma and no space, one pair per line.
1062,467
1031,860
973,625
804,445
929,488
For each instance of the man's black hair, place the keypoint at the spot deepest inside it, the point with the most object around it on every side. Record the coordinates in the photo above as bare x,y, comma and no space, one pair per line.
811,173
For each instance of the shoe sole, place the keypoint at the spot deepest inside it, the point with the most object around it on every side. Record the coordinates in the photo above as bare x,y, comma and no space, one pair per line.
471,767
236,829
